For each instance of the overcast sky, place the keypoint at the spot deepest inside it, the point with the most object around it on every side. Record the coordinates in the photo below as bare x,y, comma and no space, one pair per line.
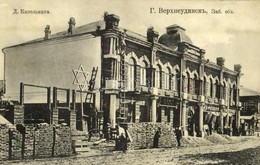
235,37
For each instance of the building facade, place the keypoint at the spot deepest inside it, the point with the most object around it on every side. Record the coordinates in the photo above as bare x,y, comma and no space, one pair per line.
166,79
250,113
148,78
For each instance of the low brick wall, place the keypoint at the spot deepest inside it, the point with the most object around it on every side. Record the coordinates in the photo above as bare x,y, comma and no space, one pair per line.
63,141
143,135
44,135
4,142
34,141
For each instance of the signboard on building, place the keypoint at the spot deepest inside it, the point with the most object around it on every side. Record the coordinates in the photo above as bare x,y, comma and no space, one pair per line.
167,101
210,108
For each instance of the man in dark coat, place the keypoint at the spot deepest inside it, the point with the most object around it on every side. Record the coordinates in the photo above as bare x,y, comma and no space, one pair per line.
123,142
178,135
156,138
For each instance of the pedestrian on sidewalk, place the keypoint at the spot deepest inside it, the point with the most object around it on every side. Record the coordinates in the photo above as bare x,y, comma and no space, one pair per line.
156,138
89,135
178,135
123,142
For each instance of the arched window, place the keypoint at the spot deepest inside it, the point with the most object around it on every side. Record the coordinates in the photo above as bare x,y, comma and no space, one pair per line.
158,76
217,92
167,78
143,75
187,87
227,93
131,74
224,91
206,88
230,95
197,85
176,79
211,88
234,95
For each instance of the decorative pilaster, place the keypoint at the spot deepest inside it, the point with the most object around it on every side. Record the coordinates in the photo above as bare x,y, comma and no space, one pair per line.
221,124
137,112
112,110
184,118
201,110
237,68
153,108
238,118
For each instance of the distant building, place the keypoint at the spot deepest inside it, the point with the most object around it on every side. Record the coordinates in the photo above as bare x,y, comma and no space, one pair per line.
148,78
250,114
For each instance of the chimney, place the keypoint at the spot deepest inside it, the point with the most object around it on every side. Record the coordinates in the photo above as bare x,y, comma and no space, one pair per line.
112,21
152,35
47,32
72,24
202,53
237,68
220,61
173,29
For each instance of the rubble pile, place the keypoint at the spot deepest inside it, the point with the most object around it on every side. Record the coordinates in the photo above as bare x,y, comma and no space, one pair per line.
143,135
194,141
217,138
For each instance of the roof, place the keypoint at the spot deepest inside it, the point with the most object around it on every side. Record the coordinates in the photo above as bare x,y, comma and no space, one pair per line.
6,122
174,35
84,29
248,92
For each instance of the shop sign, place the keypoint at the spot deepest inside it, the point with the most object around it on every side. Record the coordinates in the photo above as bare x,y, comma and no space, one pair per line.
210,108
167,101
230,111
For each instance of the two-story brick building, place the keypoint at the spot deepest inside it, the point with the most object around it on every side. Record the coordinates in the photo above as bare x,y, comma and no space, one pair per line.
148,78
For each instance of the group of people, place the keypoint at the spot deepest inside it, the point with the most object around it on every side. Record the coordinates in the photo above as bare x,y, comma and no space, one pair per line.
123,137
177,132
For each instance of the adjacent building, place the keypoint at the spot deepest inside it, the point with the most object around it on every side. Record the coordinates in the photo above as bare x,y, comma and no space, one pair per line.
250,113
142,78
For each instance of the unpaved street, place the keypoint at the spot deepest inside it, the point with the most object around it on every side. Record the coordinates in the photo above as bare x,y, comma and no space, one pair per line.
236,150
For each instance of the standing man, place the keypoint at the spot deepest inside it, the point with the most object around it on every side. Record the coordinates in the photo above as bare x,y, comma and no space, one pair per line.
156,138
123,142
178,135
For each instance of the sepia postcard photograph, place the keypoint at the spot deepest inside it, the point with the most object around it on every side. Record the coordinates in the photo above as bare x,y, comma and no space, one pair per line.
129,82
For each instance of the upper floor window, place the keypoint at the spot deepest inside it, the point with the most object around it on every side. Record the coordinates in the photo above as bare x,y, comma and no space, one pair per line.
158,77
196,85
211,94
143,75
168,78
176,80
224,91
234,95
206,87
217,92
131,74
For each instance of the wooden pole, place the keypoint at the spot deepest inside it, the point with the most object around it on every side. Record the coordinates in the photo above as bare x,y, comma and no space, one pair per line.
82,113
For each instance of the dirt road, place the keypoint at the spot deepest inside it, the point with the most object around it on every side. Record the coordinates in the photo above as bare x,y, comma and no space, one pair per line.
237,150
